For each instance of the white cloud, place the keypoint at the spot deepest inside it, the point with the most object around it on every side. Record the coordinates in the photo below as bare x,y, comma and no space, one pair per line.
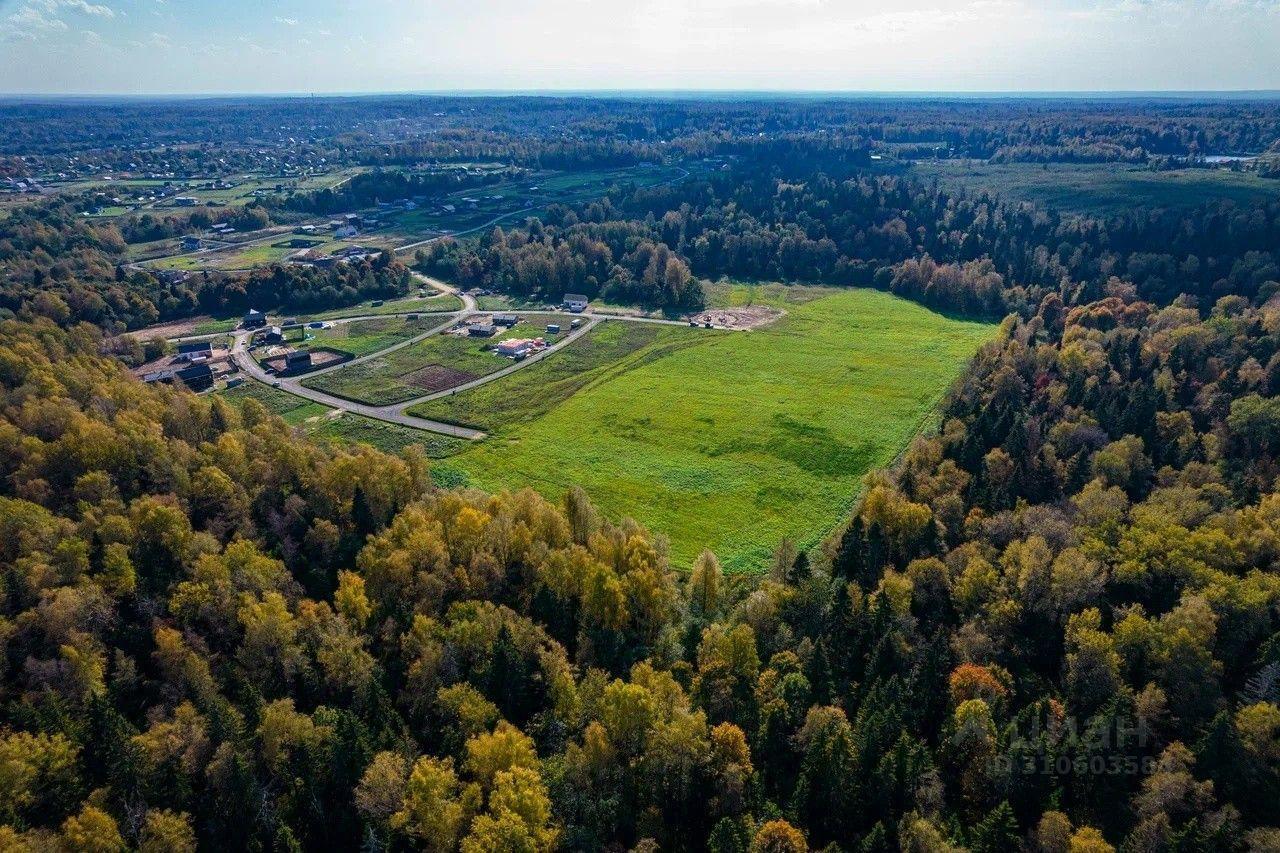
32,20
88,8
36,19
288,22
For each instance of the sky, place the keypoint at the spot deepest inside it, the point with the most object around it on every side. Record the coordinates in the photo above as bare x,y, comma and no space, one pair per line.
330,46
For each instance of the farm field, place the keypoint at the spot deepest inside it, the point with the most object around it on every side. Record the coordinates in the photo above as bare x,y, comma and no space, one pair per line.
1099,189
440,361
730,441
344,428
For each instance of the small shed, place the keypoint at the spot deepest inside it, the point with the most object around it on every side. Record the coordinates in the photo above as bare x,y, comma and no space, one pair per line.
482,330
553,328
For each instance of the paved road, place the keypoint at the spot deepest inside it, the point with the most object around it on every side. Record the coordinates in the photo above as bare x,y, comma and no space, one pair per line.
396,413
408,342
475,383
492,222
252,369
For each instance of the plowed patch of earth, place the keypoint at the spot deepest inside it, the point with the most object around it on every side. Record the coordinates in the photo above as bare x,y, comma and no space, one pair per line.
437,377
745,317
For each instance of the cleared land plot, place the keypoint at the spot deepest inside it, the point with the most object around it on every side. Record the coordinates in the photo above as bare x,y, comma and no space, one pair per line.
418,369
320,359
1100,189
201,325
442,304
244,258
503,407
205,324
343,428
362,337
733,440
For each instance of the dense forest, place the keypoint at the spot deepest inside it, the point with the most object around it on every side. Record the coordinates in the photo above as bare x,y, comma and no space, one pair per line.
1053,626
213,134
969,253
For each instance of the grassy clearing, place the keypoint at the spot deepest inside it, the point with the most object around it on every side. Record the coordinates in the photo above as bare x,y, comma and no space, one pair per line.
248,257
1102,188
365,336
734,294
383,381
500,302
441,304
319,422
734,440
505,406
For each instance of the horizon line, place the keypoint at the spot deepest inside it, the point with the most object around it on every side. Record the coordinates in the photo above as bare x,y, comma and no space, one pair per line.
624,92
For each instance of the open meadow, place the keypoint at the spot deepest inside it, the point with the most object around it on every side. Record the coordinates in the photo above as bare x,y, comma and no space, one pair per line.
730,441
1099,189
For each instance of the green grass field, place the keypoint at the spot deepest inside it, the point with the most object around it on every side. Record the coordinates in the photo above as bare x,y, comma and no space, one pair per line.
1099,189
386,380
505,406
320,422
729,440
441,304
365,336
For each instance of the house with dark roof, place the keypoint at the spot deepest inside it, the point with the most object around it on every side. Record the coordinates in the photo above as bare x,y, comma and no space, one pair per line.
198,376
255,319
195,349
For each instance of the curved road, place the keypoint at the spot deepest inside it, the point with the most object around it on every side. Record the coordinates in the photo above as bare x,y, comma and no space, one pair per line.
466,386
251,368
396,412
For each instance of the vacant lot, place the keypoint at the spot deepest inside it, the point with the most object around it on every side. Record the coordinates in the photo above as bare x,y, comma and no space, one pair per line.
440,304
727,440
318,421
418,369
504,406
362,337
1100,189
